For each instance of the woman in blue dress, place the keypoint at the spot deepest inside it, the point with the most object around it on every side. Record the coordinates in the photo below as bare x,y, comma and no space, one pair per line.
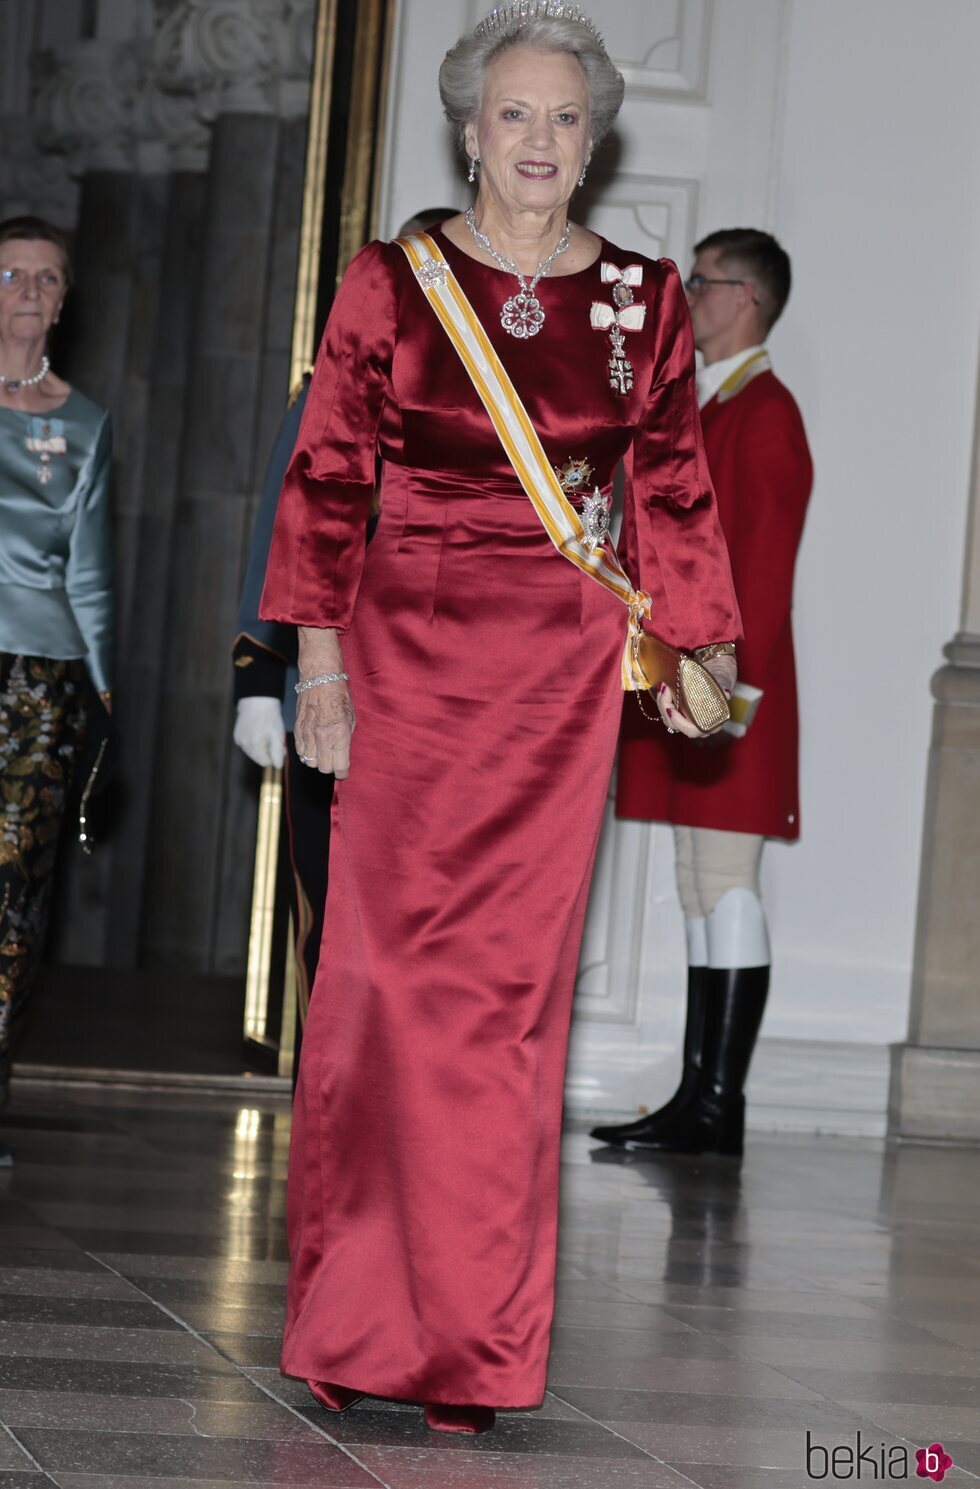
55,597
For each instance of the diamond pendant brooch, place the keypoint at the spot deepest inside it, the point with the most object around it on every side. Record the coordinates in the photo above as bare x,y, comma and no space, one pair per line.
522,315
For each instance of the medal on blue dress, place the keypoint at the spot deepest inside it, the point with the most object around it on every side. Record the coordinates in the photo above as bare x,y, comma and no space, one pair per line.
46,439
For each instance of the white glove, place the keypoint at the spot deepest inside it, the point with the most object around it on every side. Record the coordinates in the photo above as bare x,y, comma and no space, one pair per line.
259,730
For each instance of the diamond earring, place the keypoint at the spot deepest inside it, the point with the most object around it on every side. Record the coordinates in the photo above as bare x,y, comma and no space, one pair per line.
581,179
474,162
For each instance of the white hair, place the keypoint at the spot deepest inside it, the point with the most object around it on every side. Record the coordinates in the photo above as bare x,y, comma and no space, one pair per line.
462,74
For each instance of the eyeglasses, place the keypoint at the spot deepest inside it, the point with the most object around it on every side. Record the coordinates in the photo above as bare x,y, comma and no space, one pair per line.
698,282
46,281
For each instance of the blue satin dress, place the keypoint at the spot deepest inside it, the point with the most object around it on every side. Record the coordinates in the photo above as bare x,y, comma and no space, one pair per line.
55,623
55,535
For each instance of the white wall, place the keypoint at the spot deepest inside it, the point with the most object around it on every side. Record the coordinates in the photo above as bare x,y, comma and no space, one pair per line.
876,196
420,167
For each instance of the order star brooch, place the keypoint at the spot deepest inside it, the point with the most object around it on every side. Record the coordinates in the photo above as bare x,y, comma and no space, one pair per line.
574,477
621,316
432,274
596,520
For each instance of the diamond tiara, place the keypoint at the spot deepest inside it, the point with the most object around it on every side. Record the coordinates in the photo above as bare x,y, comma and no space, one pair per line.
504,18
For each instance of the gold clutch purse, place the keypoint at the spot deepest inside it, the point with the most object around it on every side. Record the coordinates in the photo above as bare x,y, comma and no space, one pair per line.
695,691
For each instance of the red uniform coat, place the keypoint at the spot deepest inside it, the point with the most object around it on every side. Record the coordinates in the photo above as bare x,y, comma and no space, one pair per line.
762,473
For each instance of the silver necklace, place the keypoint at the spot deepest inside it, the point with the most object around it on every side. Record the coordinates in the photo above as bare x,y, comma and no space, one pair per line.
522,314
14,384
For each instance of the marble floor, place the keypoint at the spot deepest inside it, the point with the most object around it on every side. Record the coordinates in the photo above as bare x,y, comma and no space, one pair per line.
811,1315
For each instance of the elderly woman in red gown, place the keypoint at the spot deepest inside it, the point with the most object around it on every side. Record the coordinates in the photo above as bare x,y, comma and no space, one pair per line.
484,675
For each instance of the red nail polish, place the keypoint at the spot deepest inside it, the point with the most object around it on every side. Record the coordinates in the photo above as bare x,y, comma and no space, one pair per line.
670,713
662,688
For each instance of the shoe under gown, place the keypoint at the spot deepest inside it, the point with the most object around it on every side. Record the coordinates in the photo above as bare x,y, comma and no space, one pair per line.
485,675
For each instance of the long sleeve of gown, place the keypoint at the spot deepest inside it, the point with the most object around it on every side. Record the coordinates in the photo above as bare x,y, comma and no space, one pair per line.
317,550
88,572
672,543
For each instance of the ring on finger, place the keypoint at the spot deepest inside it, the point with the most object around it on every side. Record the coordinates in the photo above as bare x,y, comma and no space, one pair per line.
308,759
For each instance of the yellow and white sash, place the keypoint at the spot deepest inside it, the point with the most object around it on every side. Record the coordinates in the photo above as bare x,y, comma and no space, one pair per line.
520,440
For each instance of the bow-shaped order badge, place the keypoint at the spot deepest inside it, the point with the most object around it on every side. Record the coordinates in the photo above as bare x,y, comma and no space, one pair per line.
622,315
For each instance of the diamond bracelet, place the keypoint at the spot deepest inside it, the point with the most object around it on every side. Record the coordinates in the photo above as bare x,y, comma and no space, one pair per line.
716,649
315,682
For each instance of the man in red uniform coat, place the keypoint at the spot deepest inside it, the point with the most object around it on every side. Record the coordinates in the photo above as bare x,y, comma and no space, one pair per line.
726,796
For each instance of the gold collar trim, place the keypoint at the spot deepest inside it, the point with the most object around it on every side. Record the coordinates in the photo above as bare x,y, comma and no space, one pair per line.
743,375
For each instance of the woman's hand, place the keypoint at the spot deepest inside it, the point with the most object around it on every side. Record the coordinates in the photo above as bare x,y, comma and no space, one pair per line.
324,714
324,725
724,670
672,718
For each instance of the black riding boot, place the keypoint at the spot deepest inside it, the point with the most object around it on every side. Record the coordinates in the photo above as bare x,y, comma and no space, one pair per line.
738,1001
651,1125
713,1119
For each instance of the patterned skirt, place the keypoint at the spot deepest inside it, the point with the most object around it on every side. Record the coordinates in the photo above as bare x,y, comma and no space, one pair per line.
42,724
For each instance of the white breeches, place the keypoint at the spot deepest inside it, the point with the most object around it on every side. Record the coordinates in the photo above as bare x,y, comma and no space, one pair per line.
718,885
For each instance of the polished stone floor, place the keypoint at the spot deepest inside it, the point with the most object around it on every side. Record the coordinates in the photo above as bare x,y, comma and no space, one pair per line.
710,1316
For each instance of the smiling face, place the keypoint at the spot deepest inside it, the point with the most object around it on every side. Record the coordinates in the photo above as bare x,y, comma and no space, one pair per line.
532,134
32,288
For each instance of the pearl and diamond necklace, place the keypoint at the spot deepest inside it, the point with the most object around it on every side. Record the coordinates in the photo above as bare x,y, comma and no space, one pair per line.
14,384
521,315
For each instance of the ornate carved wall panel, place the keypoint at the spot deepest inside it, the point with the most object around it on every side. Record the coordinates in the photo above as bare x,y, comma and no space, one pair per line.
239,56
32,180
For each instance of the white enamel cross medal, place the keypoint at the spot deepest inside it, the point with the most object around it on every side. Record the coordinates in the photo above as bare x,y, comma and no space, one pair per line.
620,366
618,318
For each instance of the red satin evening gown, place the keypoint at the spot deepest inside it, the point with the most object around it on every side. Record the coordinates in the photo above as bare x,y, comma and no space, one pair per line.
485,674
